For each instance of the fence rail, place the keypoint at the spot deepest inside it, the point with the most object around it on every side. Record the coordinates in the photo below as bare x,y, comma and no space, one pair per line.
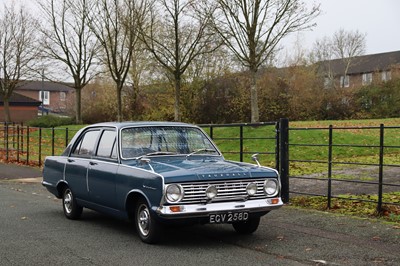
336,175
346,177
30,145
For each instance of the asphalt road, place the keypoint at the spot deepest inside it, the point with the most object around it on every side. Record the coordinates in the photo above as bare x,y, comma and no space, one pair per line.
33,231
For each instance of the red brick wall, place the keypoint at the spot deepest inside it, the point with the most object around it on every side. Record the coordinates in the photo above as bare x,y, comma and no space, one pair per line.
20,113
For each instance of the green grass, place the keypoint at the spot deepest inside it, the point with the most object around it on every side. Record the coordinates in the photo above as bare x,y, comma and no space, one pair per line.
363,206
261,139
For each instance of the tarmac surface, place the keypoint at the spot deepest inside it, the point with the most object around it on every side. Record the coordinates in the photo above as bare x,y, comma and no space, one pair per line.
34,231
15,171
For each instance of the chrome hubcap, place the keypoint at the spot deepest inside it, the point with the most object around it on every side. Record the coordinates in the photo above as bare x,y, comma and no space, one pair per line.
143,220
68,202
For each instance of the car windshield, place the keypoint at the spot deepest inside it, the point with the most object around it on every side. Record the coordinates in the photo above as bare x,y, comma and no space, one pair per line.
150,141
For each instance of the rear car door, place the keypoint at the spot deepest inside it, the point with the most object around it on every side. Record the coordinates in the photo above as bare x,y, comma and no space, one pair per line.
102,170
77,163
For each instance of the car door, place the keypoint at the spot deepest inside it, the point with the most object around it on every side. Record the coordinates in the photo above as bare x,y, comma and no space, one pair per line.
102,170
77,163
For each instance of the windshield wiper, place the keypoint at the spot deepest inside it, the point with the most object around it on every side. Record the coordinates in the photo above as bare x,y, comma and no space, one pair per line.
159,153
200,150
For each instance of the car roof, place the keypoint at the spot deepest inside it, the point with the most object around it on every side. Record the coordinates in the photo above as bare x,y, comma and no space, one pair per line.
139,124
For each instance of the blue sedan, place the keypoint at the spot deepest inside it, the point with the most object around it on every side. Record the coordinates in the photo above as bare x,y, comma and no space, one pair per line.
159,173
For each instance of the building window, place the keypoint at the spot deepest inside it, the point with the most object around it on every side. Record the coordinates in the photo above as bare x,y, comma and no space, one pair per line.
386,75
63,96
345,81
44,96
366,78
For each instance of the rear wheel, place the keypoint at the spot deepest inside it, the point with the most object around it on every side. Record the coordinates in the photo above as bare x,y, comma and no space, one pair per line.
247,227
71,209
148,228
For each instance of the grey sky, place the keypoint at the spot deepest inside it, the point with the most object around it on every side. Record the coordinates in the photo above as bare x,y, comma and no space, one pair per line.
380,20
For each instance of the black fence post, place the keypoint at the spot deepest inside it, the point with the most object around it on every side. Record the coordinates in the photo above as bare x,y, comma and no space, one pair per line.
330,166
277,151
6,134
284,158
18,143
241,143
52,140
66,137
381,148
27,144
40,147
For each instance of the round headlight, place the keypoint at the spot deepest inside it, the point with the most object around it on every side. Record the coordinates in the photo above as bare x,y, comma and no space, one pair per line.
211,192
174,193
251,189
271,187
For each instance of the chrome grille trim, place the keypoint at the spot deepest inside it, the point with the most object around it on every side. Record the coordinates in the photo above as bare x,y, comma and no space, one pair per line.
227,190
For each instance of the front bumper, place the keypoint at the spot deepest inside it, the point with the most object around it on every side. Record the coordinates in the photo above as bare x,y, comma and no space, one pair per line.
204,210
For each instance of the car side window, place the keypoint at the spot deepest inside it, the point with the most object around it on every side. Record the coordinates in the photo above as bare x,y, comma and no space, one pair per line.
85,146
107,147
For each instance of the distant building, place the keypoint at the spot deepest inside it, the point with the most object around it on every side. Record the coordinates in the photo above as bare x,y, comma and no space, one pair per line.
22,108
56,97
363,70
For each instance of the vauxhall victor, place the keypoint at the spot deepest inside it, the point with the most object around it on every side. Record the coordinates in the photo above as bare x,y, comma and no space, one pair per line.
159,173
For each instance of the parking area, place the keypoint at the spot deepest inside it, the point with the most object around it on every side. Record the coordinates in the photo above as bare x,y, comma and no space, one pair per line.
35,231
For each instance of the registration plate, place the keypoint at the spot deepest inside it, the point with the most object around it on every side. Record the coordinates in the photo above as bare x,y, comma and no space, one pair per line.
228,217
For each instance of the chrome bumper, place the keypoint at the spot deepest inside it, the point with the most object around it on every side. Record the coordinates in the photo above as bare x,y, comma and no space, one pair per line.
201,210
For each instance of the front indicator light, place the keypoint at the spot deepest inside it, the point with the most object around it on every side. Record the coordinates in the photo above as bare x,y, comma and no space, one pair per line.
273,201
176,208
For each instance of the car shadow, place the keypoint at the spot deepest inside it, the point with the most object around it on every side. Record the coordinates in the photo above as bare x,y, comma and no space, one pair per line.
173,236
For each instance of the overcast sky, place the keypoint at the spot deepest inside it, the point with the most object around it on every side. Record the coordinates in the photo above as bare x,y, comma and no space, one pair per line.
379,20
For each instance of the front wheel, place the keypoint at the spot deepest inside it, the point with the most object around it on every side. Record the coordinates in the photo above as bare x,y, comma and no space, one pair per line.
247,227
147,227
71,209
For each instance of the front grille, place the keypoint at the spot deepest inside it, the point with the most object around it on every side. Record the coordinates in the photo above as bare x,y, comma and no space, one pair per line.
227,191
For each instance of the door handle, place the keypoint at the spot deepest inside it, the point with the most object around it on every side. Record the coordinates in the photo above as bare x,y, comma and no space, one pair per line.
93,163
70,160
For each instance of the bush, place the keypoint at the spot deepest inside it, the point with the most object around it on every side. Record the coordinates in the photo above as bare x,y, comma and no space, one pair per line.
51,121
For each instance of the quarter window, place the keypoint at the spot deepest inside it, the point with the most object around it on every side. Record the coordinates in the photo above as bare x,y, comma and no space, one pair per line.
107,145
85,146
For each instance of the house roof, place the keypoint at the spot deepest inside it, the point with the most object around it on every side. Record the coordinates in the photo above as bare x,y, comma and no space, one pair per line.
32,85
365,63
17,99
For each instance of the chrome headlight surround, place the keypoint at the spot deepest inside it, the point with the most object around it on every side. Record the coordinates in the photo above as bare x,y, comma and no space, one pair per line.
251,189
211,192
271,187
174,193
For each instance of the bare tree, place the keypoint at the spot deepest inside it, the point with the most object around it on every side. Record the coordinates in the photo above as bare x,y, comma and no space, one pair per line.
18,51
346,45
252,29
343,46
115,23
69,41
176,34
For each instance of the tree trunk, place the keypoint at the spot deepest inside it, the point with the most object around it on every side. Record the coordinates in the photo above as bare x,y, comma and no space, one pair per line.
119,100
78,109
255,117
177,112
7,115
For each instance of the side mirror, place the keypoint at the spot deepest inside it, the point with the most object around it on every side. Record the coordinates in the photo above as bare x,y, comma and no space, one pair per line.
254,157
